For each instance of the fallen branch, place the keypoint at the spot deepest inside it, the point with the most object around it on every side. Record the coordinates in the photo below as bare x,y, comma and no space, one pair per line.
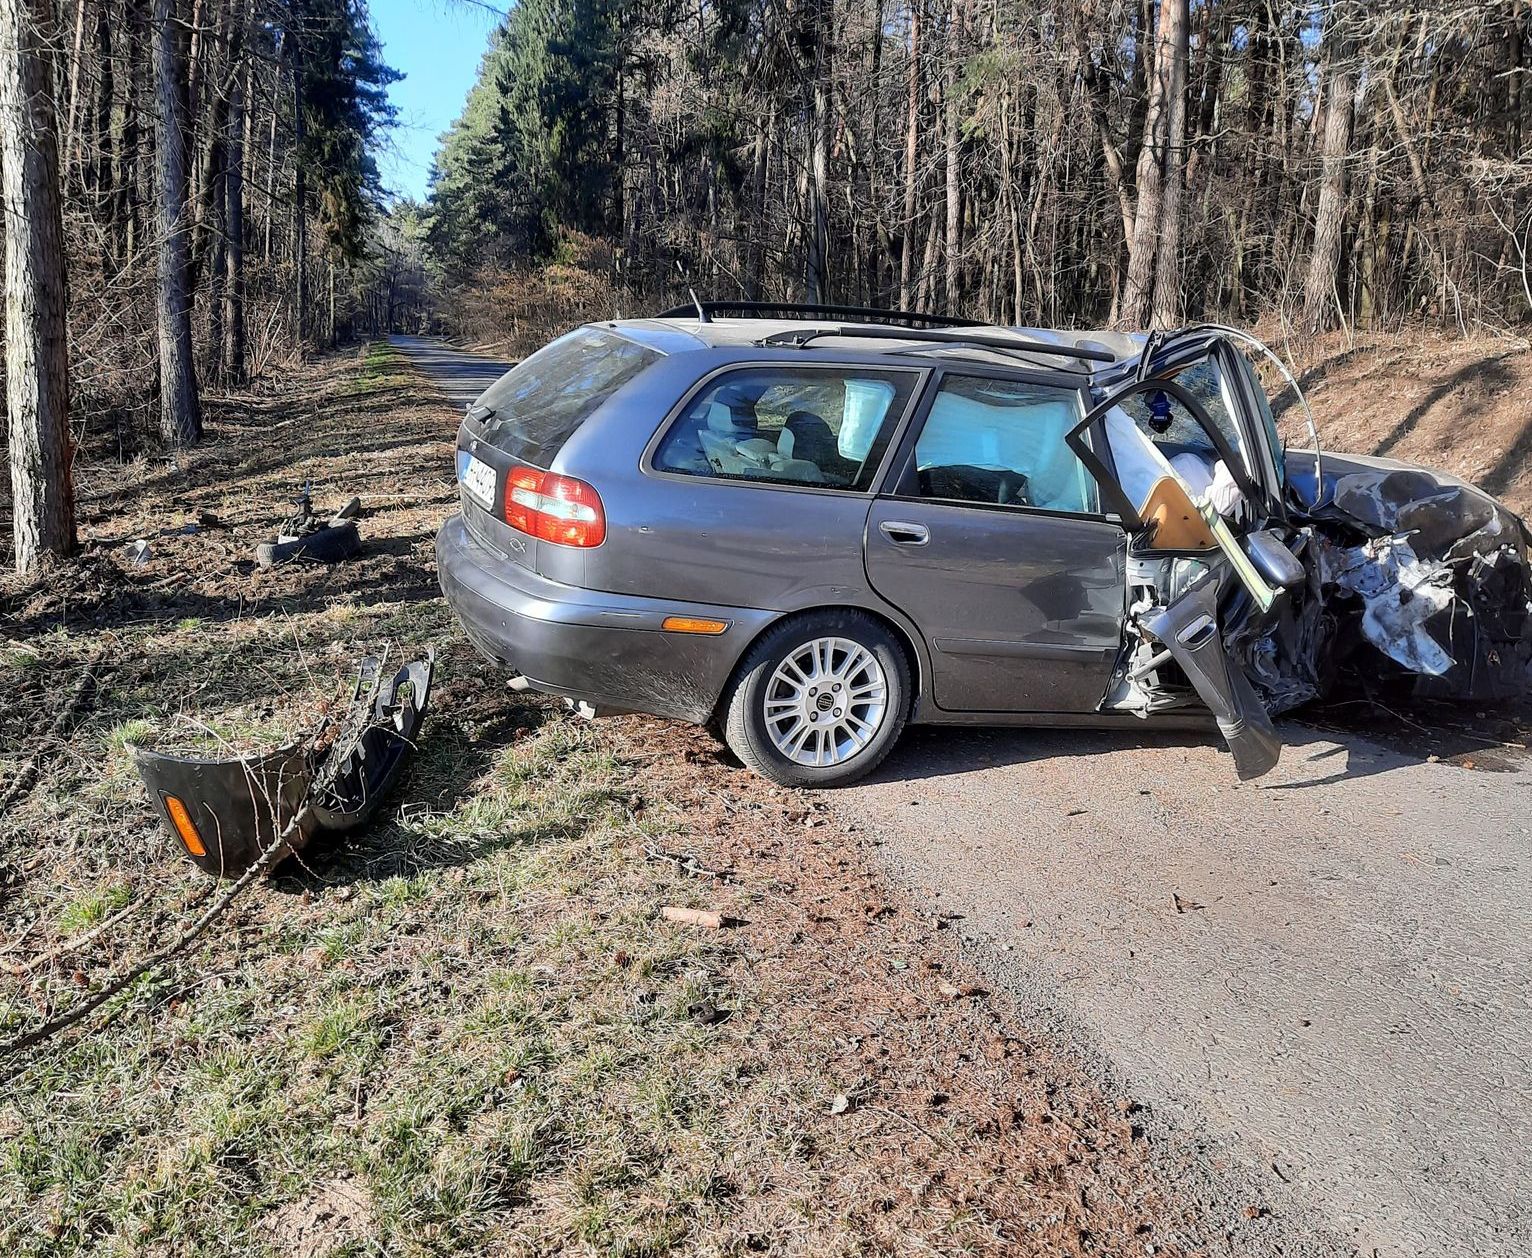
26,779
684,861
69,945
274,852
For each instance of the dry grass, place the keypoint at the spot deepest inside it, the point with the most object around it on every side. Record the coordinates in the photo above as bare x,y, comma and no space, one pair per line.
468,1030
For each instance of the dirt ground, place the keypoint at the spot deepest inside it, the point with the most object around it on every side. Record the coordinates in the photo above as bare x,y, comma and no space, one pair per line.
469,1030
1464,406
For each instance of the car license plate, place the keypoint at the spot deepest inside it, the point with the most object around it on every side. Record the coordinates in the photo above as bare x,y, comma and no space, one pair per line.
479,481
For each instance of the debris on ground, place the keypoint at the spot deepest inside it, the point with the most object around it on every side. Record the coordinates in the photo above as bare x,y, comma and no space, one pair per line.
692,917
305,535
227,812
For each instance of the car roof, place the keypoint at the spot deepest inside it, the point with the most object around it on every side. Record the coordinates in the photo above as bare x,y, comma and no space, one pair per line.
678,334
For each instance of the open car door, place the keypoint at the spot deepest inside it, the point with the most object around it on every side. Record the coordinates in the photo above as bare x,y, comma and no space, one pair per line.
1192,575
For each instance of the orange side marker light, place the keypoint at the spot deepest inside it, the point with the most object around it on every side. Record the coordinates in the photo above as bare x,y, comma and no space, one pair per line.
693,624
182,821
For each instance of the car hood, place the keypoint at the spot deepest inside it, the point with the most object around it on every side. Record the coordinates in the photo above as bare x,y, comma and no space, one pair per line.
1426,569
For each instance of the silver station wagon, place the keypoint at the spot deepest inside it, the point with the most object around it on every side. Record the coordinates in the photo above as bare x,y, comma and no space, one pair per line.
808,526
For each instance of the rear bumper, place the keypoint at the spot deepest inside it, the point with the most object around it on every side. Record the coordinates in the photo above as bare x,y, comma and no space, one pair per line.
605,649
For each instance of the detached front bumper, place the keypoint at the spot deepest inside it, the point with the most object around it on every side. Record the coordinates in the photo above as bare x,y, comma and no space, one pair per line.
607,650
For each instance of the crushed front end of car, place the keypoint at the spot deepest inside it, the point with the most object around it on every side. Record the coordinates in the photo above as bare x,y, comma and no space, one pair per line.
1261,580
1423,577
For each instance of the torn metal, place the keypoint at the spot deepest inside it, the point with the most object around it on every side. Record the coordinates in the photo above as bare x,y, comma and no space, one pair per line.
1258,580
228,813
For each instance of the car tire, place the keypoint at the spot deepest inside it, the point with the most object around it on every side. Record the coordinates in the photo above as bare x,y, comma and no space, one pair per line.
819,700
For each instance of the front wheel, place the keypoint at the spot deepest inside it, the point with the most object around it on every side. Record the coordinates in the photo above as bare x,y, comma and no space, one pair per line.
819,700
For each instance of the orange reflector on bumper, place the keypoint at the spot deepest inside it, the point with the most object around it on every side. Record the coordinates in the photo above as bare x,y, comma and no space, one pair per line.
182,821
692,624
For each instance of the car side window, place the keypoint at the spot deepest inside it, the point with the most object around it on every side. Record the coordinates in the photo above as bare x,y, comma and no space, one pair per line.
1001,442
822,427
1170,425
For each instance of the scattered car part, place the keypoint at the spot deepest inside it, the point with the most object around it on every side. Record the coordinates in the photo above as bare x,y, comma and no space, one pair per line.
227,813
1189,630
305,536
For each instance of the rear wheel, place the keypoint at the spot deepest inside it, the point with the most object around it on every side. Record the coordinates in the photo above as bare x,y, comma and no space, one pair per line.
819,700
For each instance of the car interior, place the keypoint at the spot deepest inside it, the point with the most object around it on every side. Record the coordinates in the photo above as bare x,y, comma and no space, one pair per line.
1002,443
776,426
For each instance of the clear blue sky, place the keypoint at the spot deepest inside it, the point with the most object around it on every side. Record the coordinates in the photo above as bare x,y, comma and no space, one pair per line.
437,45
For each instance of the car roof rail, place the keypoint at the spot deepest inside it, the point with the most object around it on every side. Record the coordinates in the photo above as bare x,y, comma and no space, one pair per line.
703,311
988,337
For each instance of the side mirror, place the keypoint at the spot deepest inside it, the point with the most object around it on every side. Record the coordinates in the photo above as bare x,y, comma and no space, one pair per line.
1273,560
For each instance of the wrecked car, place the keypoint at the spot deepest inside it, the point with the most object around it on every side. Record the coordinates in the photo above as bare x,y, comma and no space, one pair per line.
808,526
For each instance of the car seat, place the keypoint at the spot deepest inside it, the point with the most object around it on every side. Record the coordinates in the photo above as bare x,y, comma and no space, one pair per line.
808,437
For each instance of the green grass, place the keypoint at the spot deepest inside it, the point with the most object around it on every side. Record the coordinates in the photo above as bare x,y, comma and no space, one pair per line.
382,368
441,1021
431,1013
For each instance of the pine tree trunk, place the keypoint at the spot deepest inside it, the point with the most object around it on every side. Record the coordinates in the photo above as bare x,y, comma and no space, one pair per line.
1167,265
36,331
818,280
1319,290
234,256
180,406
911,166
1166,83
300,195
953,235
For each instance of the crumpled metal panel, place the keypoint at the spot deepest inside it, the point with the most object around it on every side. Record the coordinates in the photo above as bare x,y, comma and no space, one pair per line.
1426,568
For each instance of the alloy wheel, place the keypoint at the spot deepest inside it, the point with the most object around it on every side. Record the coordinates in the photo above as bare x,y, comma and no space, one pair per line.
825,701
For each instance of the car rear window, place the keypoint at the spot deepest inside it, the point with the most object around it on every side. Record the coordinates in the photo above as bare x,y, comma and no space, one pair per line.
532,410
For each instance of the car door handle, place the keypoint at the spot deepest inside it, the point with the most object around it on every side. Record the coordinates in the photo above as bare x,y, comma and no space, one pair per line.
902,534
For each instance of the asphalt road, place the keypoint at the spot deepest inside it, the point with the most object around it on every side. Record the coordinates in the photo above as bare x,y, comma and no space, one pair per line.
1323,976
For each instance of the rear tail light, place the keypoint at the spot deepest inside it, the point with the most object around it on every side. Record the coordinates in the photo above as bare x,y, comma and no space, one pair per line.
554,508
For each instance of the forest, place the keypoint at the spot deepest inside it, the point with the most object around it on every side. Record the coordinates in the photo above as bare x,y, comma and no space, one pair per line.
1077,162
193,200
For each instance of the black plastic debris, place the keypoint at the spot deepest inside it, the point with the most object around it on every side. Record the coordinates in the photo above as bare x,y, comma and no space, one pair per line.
305,535
227,814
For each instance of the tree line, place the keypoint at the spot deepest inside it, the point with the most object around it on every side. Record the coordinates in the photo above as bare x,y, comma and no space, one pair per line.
189,197
1133,162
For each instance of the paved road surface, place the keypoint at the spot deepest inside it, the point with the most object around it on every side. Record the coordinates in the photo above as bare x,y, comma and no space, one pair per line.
461,375
1324,975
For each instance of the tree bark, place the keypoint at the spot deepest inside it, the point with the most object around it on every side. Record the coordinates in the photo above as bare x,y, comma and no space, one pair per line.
36,331
1319,289
180,405
953,237
300,193
234,255
1164,122
1167,263
818,280
911,164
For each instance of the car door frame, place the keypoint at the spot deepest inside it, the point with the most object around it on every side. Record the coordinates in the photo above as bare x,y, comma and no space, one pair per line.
1113,507
898,462
1163,359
